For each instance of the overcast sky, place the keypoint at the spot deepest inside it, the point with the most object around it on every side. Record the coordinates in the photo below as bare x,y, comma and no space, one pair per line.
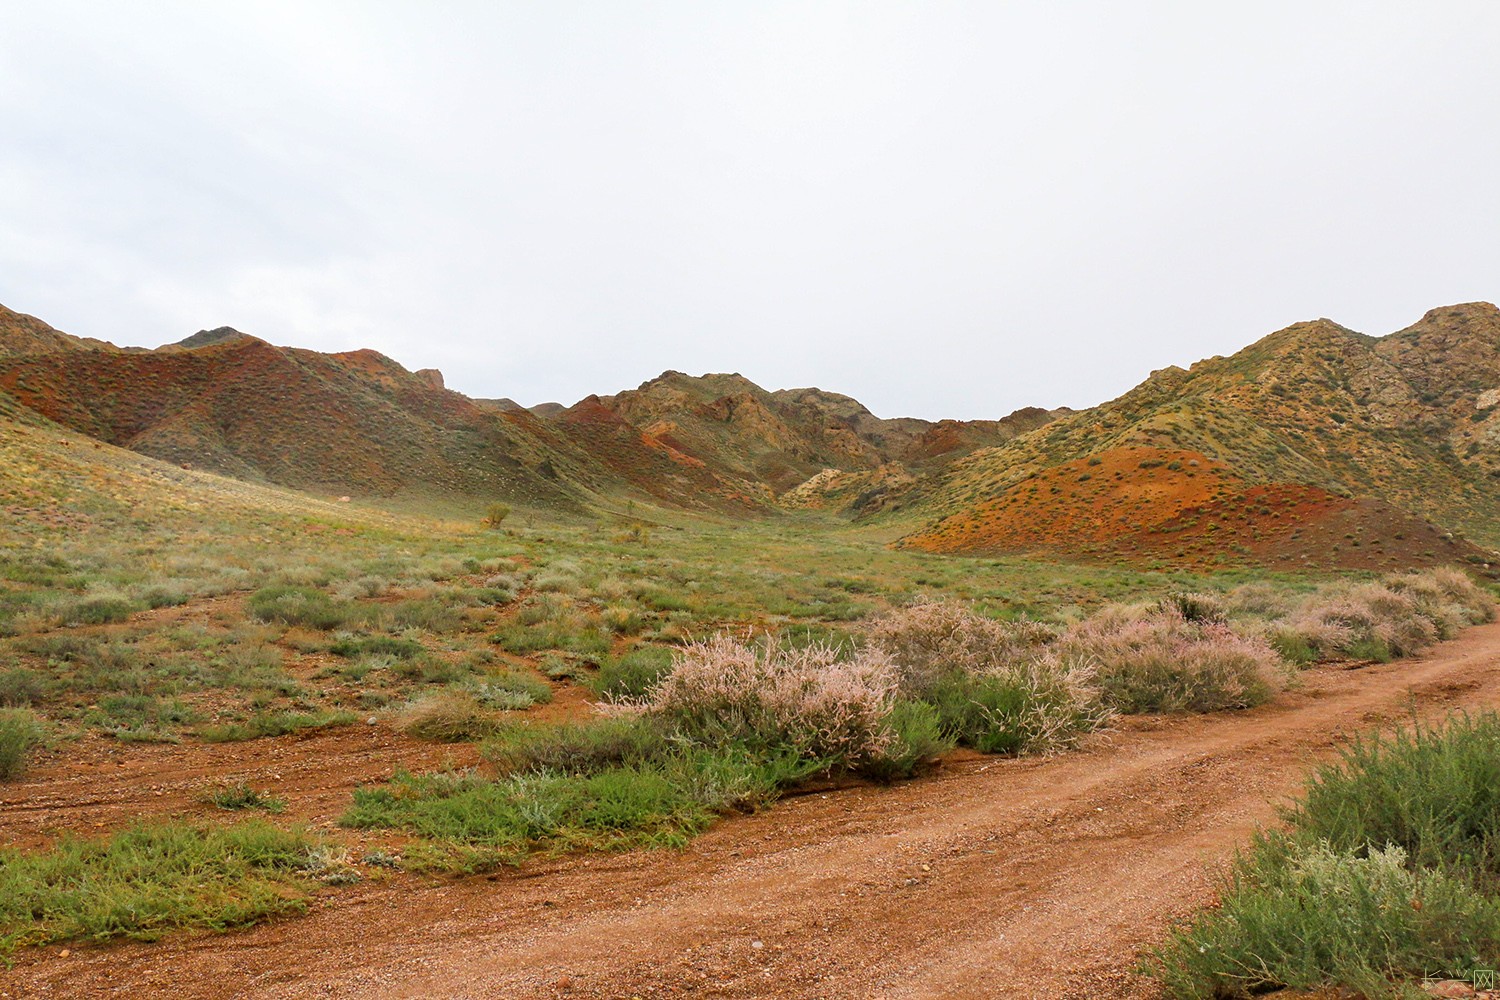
943,209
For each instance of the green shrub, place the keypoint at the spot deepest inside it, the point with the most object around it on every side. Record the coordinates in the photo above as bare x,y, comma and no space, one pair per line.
1389,871
99,611
919,738
657,803
1434,792
633,674
305,606
20,729
1023,711
495,514
20,687
1300,914
579,747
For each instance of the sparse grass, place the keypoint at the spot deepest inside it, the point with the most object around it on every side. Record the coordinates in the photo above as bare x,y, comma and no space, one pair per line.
273,724
152,879
446,717
240,795
20,730
296,605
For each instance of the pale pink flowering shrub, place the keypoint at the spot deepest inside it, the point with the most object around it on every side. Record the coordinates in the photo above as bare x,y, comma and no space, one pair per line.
806,700
1401,615
1161,662
934,638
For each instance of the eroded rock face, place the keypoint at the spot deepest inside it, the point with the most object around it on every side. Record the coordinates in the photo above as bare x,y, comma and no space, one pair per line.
431,376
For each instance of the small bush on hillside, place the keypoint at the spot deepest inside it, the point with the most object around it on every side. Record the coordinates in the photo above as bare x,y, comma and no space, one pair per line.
446,717
579,747
511,690
20,730
376,645
273,724
20,687
495,514
1164,663
1195,607
239,795
99,611
292,605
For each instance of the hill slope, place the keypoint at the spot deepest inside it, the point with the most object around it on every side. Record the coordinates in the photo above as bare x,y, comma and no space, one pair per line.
1409,421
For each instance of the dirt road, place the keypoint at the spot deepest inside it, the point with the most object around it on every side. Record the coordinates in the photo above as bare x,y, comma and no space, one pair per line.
994,878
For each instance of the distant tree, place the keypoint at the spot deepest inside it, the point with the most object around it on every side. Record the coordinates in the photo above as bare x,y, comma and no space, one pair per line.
496,513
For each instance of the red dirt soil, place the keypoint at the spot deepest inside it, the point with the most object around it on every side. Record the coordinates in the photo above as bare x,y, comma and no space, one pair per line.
993,878
1145,504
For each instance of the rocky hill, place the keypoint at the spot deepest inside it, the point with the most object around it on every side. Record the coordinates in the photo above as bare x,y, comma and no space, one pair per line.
1407,422
1314,446
21,335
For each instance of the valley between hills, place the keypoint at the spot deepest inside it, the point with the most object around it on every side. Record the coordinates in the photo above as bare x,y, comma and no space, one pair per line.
318,678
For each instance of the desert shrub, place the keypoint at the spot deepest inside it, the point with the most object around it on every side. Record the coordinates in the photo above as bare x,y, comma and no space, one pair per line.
919,736
428,613
806,701
1161,662
1388,871
579,747
1401,615
294,605
510,690
20,730
1044,704
657,803
1195,607
149,880
931,640
633,674
622,619
445,717
1257,600
376,645
495,514
143,717
100,610
1305,915
363,586
20,687
1434,792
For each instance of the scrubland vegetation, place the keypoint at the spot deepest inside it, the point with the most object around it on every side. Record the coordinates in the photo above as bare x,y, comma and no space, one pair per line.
625,687
1388,870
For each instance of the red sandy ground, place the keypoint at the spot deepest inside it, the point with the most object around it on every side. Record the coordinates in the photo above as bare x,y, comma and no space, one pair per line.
993,878
1130,503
